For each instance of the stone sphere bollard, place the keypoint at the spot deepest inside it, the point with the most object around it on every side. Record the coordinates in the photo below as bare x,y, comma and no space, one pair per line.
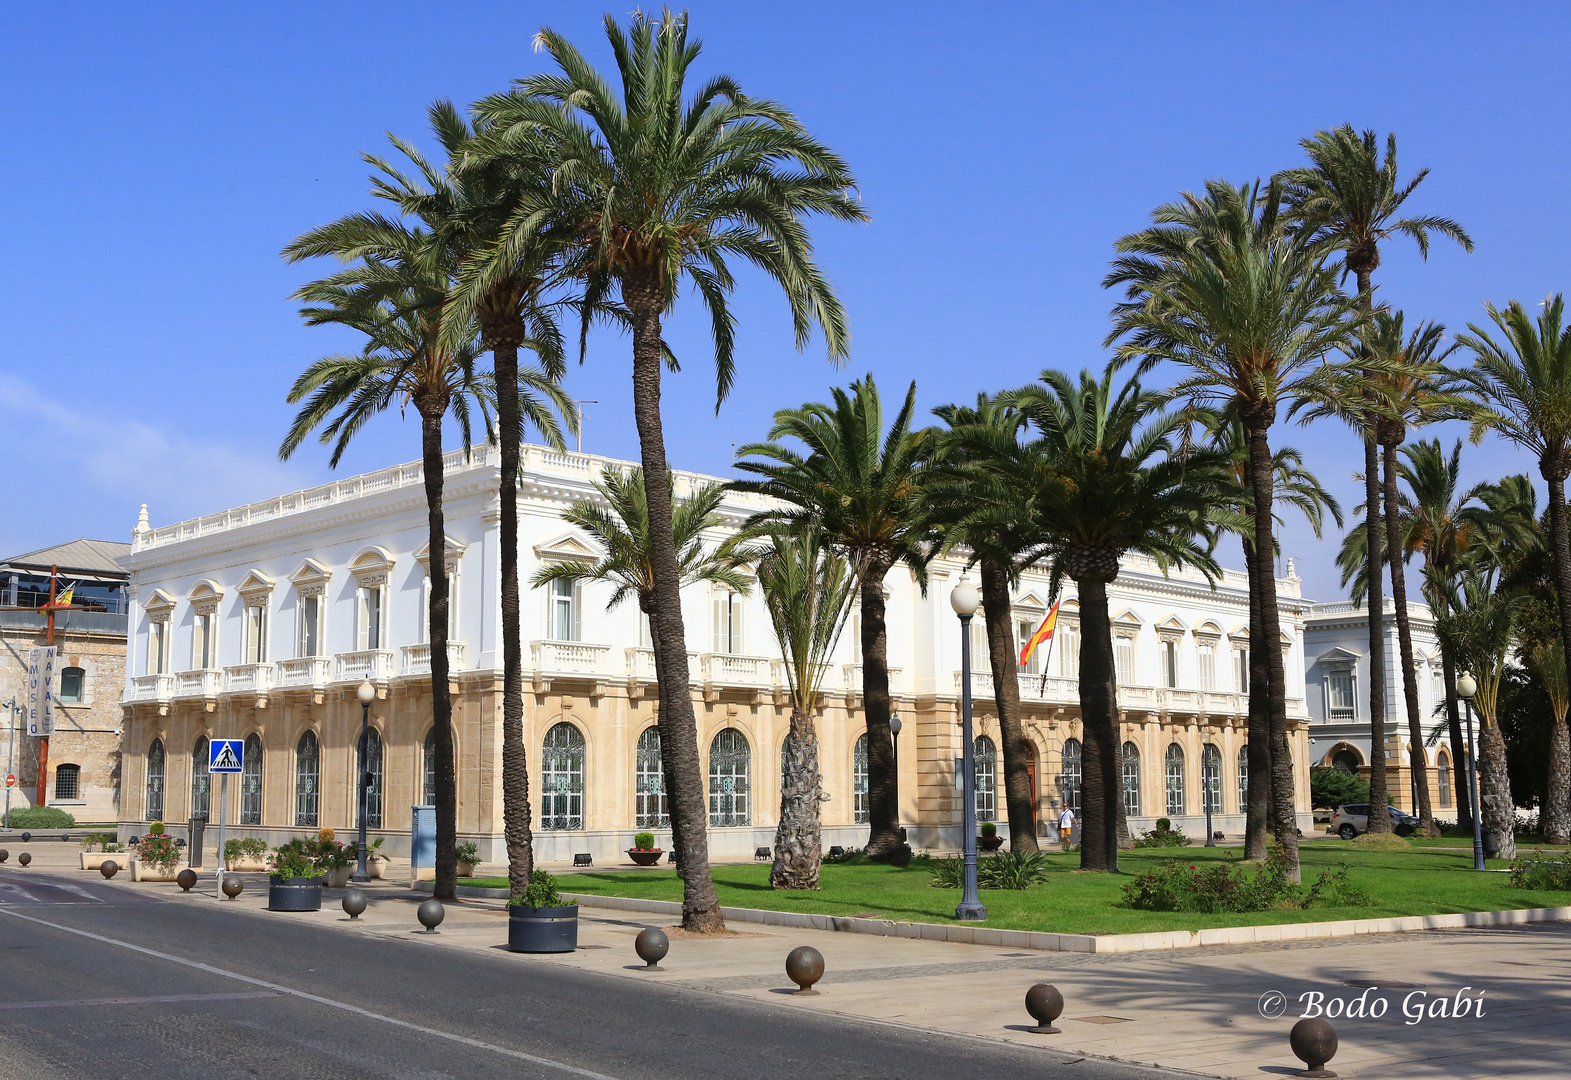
4,854
651,944
1045,1004
27,838
25,857
354,904
431,913
109,868
1314,1043
186,879
805,966
232,885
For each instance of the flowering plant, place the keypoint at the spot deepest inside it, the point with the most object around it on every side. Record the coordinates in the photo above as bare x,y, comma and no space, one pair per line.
159,852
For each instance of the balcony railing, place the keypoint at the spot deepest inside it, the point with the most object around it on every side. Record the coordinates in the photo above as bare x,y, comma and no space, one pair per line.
304,671
248,678
641,665
417,658
152,687
569,658
203,683
373,664
726,669
851,675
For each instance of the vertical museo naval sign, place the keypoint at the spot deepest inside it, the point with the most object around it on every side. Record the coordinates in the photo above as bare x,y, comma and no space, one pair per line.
40,691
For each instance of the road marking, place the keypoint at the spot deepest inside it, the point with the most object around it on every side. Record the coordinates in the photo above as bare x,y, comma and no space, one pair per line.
133,1000
533,1059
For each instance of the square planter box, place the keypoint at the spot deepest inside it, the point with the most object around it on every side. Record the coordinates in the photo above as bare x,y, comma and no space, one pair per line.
245,863
466,869
92,860
141,871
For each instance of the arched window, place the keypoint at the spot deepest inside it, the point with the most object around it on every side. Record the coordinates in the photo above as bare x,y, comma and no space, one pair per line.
155,781
308,767
428,769
73,685
985,754
68,781
1131,779
251,782
860,809
730,763
1175,779
562,778
1345,761
1070,777
201,779
1443,778
1243,778
1211,778
371,758
650,810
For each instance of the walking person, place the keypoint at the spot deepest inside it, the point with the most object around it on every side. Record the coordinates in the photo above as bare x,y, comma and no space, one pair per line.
1066,825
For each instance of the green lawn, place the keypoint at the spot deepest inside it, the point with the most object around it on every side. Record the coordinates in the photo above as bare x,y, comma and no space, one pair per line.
1417,882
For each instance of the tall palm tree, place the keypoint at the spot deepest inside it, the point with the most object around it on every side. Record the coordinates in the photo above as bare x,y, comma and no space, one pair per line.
1523,389
1251,315
1347,199
1117,481
862,484
413,272
808,589
1549,664
1296,487
983,470
649,190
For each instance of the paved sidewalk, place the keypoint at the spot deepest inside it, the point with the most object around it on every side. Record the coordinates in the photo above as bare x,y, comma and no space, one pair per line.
1196,1010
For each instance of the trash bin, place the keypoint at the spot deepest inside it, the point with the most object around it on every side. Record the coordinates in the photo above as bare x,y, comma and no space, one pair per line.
1491,844
194,846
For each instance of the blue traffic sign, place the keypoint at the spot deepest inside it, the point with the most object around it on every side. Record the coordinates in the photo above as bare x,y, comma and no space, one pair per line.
225,756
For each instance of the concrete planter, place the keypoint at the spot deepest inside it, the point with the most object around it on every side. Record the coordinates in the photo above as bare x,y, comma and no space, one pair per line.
141,871
644,858
243,863
339,877
466,869
542,930
373,867
294,894
92,860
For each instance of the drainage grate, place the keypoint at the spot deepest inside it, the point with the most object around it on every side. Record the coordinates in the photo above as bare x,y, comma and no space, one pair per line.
1101,1019
1014,954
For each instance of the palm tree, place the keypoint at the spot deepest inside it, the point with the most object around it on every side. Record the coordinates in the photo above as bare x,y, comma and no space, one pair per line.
1347,199
1549,664
1523,388
1296,487
861,484
402,281
648,190
1116,481
977,495
808,589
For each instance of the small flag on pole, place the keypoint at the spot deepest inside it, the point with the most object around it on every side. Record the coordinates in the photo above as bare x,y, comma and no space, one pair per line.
1044,633
64,599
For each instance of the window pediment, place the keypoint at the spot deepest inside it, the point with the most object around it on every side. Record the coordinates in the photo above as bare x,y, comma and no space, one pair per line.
567,548
1208,631
1337,656
1128,623
206,597
159,606
1032,602
257,589
452,552
1171,628
373,566
311,579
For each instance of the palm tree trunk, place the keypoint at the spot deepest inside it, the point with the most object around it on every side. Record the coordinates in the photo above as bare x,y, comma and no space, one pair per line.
883,811
1464,795
516,811
1556,817
644,297
1418,762
446,885
799,836
1560,537
1374,603
1098,722
1019,799
1494,787
1257,819
1284,819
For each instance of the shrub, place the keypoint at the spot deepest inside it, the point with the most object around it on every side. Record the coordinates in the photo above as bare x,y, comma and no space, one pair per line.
989,828
1333,889
294,860
1164,835
847,855
1228,887
1541,873
468,852
542,892
159,852
1006,870
1380,842
155,829
326,834
948,873
1330,788
99,841
40,817
1164,824
644,841
250,846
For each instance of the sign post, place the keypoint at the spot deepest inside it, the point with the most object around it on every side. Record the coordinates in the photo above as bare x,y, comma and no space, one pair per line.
224,756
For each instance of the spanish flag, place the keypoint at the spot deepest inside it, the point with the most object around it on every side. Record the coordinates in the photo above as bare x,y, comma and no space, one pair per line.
1043,633
65,598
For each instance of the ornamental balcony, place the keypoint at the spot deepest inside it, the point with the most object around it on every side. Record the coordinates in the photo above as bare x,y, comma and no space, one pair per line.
726,671
417,658
152,687
201,683
248,679
852,682
303,671
571,661
641,670
373,664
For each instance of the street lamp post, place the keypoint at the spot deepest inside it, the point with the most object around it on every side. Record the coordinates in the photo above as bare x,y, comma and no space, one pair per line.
894,731
1466,687
965,600
1206,754
366,694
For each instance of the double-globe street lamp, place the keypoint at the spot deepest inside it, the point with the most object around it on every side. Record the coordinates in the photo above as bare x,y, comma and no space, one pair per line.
1466,687
1210,757
366,694
965,599
894,730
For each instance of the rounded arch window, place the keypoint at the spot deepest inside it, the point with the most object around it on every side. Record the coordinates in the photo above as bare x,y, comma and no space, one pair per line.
73,685
308,774
730,766
1243,778
1211,778
371,762
1070,776
155,781
1130,775
1345,761
985,756
1443,778
201,779
1174,768
428,769
861,808
562,778
650,810
251,781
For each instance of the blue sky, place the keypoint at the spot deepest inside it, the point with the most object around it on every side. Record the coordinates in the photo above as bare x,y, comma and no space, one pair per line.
155,160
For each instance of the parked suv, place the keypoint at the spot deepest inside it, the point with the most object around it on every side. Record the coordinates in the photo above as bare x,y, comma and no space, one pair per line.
1352,819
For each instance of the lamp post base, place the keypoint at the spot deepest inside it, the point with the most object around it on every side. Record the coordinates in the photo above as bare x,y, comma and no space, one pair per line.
971,913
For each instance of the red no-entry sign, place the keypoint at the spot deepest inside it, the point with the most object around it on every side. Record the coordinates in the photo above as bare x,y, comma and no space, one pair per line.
10,780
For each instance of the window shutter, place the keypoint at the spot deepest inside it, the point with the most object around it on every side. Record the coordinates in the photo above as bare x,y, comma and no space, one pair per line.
716,639
578,611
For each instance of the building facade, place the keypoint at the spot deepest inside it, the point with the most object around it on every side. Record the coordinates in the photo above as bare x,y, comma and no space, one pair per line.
1336,637
260,623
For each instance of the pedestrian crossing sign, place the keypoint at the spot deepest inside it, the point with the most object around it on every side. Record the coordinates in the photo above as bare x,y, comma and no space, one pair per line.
225,756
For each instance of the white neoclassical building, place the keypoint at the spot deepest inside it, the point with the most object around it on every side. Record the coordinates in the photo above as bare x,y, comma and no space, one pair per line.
259,623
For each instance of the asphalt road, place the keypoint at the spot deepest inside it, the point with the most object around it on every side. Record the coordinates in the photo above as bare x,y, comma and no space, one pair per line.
100,981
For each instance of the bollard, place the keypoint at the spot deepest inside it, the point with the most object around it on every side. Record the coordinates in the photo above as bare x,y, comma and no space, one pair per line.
4,854
651,944
185,879
25,857
27,838
431,913
354,904
805,966
109,868
232,885
1314,1043
1045,1004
